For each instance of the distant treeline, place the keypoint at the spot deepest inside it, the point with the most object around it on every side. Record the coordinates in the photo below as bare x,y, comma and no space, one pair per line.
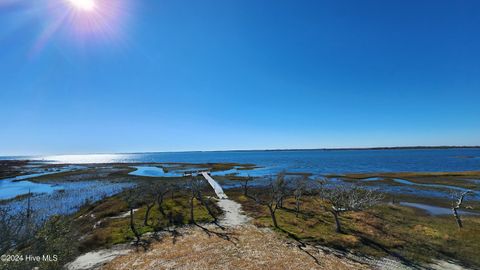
370,148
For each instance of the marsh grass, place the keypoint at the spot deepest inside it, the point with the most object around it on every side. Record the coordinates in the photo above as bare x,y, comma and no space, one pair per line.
408,234
458,179
102,229
11,168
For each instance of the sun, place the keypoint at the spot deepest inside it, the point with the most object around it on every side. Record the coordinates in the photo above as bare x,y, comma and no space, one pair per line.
84,5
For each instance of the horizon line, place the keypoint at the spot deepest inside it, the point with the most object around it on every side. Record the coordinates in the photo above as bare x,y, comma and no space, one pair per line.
266,150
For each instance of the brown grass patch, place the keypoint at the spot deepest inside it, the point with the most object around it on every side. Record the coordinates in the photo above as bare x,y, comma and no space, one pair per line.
249,248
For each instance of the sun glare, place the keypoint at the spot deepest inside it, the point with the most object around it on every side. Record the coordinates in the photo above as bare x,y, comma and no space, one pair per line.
79,21
85,5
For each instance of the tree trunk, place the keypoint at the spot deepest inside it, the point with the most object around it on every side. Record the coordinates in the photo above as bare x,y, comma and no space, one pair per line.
192,217
274,218
297,207
147,213
245,188
209,210
132,227
160,205
457,217
338,226
457,206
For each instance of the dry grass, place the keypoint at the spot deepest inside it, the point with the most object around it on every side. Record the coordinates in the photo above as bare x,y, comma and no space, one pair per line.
248,248
408,234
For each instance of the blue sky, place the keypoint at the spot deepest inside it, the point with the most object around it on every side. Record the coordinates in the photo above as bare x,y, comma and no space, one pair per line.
173,75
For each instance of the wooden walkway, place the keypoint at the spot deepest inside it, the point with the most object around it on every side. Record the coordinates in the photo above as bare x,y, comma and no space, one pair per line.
218,189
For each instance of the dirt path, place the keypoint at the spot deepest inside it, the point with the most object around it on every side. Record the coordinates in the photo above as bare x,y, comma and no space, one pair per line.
244,247
95,259
232,213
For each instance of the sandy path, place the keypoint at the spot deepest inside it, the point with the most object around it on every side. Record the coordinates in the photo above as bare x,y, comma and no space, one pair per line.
95,259
233,214
248,247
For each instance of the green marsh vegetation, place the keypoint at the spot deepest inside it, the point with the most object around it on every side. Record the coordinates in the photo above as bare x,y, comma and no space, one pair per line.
385,229
153,206
458,179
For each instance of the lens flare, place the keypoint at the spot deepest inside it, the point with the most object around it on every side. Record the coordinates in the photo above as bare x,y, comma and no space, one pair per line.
86,5
83,23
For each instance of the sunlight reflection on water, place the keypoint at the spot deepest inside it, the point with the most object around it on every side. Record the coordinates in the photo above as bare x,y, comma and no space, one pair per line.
85,159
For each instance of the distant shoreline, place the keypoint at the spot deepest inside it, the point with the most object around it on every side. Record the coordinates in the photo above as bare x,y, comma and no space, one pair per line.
375,148
263,150
312,149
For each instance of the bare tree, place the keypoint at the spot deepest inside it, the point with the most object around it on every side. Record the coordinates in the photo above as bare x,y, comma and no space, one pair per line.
345,198
149,196
245,185
458,198
173,189
282,188
161,190
272,196
196,186
154,194
132,199
299,188
207,203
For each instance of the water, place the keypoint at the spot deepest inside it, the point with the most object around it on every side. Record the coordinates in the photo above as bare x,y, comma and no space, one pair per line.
57,198
150,171
313,161
12,187
10,190
372,179
317,162
68,200
406,182
436,210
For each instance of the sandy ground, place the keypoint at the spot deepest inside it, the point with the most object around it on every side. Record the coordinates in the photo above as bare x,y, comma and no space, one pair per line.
94,260
444,265
233,214
245,247
232,211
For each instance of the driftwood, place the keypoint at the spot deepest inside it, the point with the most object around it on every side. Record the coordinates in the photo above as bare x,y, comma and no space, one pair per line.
456,204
